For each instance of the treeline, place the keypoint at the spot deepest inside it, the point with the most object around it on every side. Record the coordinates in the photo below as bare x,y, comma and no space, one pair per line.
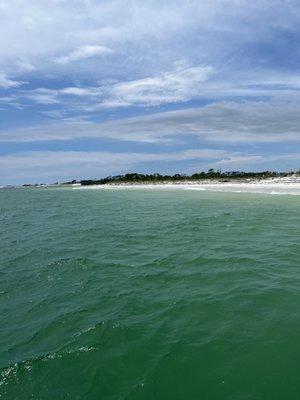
210,174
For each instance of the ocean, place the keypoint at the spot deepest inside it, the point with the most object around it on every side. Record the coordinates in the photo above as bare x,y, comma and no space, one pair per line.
149,294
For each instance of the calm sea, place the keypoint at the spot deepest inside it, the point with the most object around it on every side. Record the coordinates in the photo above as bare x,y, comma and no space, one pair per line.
161,294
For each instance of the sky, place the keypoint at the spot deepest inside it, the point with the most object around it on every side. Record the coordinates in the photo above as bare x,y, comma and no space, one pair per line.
90,88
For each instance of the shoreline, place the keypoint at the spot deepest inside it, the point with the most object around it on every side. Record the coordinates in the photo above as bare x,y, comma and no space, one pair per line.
288,185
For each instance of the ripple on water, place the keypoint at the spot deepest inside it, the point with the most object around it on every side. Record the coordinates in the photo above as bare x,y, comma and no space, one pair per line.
149,295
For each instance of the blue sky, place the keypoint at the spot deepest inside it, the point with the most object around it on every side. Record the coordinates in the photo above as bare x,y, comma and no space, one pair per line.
90,88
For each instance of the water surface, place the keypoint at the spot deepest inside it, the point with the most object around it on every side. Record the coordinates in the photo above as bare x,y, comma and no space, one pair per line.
158,294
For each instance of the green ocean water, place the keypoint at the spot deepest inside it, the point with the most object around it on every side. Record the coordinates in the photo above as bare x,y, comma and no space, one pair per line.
149,294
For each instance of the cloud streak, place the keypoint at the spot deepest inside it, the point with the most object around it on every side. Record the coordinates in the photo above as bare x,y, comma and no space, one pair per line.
82,53
171,87
224,122
7,83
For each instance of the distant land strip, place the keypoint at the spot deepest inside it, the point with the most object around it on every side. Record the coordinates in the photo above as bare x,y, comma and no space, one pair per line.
211,174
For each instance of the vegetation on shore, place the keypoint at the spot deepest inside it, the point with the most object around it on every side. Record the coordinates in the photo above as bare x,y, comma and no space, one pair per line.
210,174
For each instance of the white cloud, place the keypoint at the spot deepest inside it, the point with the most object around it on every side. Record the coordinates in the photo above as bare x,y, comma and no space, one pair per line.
24,65
82,53
42,96
259,161
7,83
180,85
79,91
53,96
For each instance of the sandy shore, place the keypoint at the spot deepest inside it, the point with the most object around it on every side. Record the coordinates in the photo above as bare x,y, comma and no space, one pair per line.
288,185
